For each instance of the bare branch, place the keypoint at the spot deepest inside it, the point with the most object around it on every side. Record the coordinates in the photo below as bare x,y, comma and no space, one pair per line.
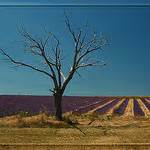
62,75
68,24
52,91
78,73
68,78
38,48
96,63
83,51
24,64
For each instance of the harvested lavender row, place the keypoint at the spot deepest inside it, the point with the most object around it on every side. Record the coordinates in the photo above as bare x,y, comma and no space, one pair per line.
145,103
121,109
137,109
105,108
89,107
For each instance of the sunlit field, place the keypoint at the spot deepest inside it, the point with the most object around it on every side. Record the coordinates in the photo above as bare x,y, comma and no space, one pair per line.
114,106
86,120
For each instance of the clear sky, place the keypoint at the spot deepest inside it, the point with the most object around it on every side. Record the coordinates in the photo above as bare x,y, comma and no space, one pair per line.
128,67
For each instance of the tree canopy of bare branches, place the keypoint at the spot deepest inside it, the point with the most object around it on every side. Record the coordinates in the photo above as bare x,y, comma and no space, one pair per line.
85,45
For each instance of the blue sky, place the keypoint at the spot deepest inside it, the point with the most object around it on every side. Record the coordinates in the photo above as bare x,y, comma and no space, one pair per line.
128,67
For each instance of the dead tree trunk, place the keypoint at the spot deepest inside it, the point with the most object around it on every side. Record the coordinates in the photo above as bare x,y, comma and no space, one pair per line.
58,106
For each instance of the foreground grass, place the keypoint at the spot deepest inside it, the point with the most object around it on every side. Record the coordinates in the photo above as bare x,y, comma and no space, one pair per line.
43,133
89,130
94,135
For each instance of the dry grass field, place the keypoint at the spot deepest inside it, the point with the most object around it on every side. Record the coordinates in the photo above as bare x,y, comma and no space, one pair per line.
42,132
121,127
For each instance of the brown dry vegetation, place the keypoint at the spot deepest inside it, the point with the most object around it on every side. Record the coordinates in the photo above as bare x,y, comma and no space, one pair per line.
93,120
41,120
42,129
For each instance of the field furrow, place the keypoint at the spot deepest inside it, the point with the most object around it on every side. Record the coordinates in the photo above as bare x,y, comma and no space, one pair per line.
107,107
89,107
148,101
120,110
110,112
129,109
100,106
145,103
144,108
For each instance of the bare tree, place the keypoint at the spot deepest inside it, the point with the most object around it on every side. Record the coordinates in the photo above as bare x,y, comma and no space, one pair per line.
87,47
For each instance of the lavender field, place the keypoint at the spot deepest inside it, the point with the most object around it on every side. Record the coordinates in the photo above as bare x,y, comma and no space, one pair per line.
10,105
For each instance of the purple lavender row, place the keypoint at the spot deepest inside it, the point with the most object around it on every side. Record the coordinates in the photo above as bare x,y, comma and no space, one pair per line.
145,103
121,109
82,102
137,109
89,107
107,107
10,105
